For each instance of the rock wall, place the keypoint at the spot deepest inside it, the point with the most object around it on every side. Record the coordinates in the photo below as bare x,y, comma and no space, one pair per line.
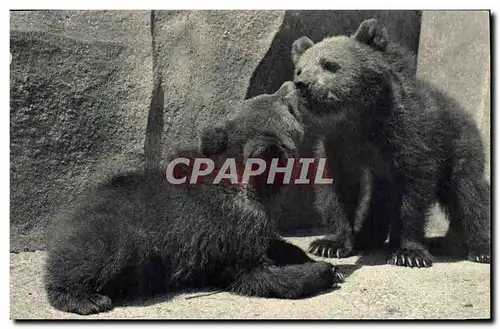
80,85
455,55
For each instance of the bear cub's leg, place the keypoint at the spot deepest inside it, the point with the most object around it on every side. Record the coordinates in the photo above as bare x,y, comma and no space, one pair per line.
287,272
288,281
77,268
71,284
348,236
79,302
407,231
281,252
470,205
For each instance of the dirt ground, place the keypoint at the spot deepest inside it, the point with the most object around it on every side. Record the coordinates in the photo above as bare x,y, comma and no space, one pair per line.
373,290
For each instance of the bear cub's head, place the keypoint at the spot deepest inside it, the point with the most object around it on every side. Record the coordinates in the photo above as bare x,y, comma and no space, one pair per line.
267,126
341,76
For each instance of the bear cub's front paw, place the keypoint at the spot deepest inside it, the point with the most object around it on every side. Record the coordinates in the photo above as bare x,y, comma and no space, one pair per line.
329,274
331,248
410,258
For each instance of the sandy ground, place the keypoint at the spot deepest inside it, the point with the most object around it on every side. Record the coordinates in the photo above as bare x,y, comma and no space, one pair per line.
372,290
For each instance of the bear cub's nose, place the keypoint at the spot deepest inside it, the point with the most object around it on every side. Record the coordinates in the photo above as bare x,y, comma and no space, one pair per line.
303,87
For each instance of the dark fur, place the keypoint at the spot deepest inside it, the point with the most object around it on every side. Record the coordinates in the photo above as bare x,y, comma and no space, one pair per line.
136,235
399,138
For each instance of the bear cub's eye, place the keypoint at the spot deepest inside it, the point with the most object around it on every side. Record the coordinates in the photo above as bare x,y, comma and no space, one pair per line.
290,108
298,72
329,65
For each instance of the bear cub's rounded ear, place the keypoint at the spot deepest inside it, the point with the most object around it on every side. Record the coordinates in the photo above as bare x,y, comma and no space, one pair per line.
372,33
213,141
299,47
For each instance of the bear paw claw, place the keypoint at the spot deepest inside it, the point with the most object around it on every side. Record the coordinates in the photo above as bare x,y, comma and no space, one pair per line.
329,249
410,258
484,258
337,276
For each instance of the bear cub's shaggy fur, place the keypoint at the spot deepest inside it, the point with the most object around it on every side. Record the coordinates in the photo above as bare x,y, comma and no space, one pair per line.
136,236
417,145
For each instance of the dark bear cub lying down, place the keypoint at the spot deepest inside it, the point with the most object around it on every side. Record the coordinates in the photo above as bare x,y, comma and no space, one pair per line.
417,144
136,235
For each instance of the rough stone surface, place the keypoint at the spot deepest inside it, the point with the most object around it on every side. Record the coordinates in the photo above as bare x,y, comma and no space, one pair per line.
455,55
206,59
449,290
80,84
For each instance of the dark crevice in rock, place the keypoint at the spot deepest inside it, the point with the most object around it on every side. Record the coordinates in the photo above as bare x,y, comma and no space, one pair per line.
154,128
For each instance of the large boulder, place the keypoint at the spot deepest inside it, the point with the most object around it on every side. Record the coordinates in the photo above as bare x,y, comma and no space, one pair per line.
80,87
206,59
455,55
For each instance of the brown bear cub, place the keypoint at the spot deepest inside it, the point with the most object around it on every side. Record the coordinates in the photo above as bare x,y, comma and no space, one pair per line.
137,235
417,145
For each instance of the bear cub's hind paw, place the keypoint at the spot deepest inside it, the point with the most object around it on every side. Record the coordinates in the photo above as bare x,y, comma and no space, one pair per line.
81,303
479,257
